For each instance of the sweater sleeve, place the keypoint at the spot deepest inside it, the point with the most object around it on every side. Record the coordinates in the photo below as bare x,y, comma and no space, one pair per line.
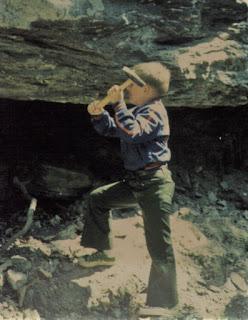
140,128
105,125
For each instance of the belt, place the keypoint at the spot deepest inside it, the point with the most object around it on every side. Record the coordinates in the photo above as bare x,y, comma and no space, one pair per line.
147,170
153,165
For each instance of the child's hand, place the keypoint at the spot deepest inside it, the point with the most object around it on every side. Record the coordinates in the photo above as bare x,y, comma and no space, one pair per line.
94,109
115,94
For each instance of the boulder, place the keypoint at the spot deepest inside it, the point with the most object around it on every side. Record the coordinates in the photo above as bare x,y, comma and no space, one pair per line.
55,182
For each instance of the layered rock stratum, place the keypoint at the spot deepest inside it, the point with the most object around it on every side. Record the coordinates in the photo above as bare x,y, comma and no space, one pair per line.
71,51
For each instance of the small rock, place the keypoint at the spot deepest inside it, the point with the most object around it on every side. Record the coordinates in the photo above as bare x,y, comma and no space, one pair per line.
21,264
139,225
5,265
175,206
202,283
47,238
55,220
224,185
45,274
238,281
9,231
180,189
200,291
194,212
80,225
53,265
211,211
198,195
198,169
120,236
187,180
224,35
222,203
69,232
16,279
245,214
212,197
184,212
37,224
214,289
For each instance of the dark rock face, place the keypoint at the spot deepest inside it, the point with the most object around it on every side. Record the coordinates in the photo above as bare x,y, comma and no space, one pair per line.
69,51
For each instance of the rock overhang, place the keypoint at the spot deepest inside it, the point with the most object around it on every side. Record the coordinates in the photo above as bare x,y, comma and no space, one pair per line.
71,51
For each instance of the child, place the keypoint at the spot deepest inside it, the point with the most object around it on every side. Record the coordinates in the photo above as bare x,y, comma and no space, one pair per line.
143,131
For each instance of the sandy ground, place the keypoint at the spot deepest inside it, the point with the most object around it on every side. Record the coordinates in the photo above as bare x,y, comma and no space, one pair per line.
128,277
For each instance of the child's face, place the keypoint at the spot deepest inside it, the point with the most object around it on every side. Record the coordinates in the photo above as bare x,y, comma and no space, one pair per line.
139,95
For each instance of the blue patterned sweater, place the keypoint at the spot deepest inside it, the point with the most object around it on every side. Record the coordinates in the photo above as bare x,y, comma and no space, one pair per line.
143,132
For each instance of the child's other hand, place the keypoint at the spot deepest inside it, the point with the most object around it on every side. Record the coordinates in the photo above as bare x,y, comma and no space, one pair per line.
115,94
94,109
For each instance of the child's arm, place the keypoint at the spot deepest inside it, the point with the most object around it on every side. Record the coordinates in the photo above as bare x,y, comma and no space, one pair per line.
104,124
101,120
